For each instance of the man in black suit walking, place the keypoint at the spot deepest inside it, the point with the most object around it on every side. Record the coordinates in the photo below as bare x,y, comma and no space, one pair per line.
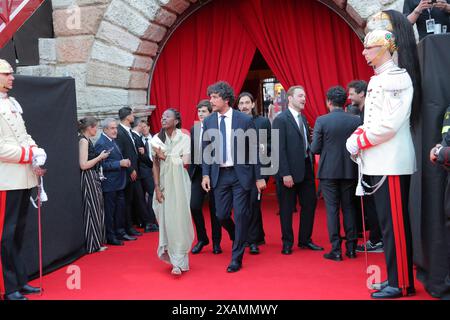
337,172
295,175
231,171
204,109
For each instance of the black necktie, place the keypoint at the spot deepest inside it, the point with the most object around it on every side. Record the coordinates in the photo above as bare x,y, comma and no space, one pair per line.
303,133
146,145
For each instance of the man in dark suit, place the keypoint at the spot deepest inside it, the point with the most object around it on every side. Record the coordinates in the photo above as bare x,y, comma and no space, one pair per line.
127,144
337,172
146,173
233,169
295,175
204,109
143,214
247,104
114,169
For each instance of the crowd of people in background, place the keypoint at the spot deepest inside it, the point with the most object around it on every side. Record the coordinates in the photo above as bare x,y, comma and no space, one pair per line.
130,179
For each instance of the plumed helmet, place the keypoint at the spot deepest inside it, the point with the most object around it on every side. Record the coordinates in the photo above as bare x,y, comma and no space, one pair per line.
5,67
380,38
379,21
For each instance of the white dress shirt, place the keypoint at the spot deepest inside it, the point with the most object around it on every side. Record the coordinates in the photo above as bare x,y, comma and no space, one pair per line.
107,136
228,127
149,138
301,125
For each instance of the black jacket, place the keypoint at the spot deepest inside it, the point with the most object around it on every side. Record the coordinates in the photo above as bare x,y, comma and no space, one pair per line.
128,150
330,135
145,164
291,146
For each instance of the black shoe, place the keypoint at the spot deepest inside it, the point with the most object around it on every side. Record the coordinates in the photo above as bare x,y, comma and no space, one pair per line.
199,246
115,242
234,267
254,249
351,254
380,286
286,250
151,227
127,237
134,233
16,295
27,289
333,256
217,249
311,246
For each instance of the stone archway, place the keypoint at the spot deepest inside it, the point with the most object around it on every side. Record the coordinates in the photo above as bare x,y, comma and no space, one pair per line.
110,46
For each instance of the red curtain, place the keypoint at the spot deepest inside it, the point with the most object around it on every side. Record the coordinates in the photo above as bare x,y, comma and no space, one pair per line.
305,43
209,46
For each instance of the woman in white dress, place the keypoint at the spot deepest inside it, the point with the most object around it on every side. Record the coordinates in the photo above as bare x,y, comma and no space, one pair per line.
171,153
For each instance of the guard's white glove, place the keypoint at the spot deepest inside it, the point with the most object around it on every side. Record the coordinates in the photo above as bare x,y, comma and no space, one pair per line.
39,157
352,144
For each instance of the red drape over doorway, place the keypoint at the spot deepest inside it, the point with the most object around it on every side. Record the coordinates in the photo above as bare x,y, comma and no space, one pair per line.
210,46
304,43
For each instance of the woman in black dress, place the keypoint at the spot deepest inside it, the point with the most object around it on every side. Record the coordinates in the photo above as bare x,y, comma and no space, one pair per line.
91,189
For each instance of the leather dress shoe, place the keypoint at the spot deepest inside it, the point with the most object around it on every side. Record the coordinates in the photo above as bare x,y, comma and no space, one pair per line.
16,295
254,249
134,233
380,286
311,246
217,249
286,250
27,289
115,242
351,254
333,256
387,293
151,227
199,246
234,267
127,237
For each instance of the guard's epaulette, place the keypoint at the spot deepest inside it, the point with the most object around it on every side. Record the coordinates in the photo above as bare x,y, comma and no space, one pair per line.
396,80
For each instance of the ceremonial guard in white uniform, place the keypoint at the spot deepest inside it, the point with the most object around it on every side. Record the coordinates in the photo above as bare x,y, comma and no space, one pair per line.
20,161
385,147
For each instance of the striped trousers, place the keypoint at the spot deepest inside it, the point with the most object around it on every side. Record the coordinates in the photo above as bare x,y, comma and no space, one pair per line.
391,203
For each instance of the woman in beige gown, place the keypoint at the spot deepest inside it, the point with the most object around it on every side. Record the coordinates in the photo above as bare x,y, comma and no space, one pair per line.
171,153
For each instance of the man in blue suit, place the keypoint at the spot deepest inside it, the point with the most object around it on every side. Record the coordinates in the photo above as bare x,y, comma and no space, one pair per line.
230,167
114,169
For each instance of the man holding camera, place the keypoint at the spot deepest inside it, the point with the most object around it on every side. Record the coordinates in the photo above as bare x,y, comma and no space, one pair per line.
426,14
20,161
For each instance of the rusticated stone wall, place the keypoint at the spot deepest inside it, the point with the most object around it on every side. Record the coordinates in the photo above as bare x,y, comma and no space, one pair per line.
109,47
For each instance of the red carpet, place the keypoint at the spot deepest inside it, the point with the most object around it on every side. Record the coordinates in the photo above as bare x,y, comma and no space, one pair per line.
133,271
